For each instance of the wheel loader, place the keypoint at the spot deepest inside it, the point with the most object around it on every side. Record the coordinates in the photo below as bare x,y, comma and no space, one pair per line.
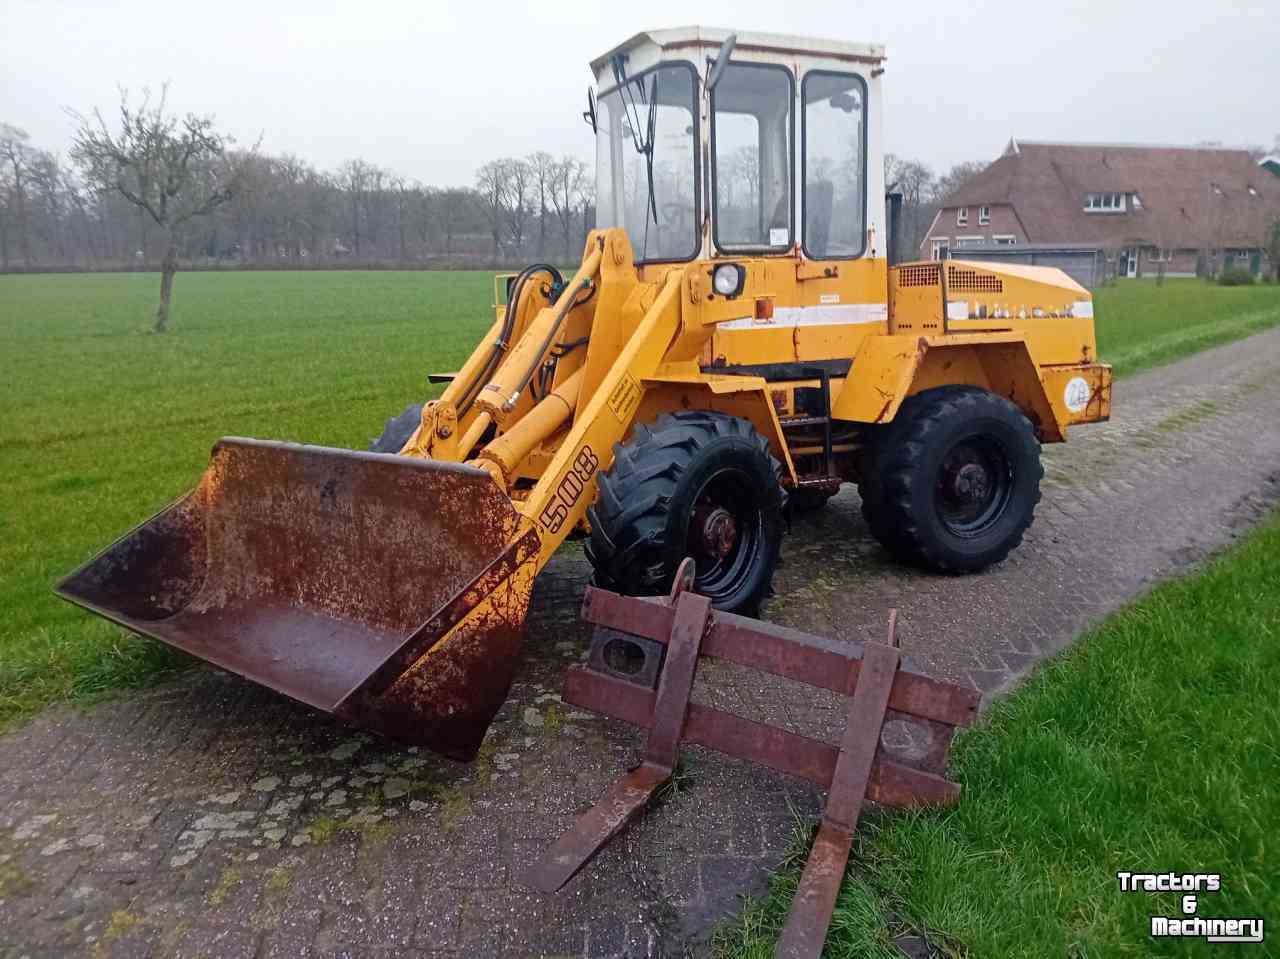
737,342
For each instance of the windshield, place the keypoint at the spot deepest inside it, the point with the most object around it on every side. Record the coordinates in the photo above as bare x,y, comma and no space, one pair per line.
622,169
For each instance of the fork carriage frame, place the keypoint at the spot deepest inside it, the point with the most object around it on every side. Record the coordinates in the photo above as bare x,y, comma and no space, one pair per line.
666,639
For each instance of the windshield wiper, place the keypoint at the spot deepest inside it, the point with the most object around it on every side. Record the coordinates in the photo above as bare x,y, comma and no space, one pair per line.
643,141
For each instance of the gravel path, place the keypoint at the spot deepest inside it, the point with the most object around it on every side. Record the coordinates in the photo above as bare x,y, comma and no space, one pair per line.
209,817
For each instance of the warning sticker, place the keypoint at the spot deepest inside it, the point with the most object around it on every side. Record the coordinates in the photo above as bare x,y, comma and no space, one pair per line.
625,398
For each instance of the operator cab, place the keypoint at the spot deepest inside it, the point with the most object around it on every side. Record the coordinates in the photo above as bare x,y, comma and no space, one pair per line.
772,154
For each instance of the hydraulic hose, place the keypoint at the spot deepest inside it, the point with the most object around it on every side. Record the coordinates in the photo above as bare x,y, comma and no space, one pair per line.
504,338
570,301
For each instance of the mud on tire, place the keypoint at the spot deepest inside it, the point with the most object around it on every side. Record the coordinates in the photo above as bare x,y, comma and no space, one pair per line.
952,483
687,484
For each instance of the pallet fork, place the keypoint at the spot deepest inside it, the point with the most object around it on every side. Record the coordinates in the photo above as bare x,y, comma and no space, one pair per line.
641,667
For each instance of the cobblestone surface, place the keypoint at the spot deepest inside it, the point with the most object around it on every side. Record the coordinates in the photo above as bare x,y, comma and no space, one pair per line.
211,818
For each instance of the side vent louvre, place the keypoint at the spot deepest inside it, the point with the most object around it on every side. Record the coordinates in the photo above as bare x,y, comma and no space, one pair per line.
919,274
960,280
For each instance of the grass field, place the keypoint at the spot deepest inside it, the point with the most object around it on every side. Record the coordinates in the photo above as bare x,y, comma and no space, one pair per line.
104,423
1141,325
1100,763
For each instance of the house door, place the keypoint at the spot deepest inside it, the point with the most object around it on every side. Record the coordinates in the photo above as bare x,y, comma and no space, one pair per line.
1255,262
1130,263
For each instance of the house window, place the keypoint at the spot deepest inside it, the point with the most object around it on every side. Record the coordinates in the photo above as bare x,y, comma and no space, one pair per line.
1104,203
970,241
984,215
962,216
1004,239
939,247
1157,255
1137,201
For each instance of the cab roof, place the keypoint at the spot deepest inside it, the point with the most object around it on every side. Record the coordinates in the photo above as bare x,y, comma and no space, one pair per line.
683,37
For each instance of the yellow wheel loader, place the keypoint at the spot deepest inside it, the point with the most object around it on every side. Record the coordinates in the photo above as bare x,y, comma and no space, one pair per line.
738,335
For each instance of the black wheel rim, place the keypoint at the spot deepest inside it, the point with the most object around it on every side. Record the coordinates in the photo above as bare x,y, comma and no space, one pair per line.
724,534
974,486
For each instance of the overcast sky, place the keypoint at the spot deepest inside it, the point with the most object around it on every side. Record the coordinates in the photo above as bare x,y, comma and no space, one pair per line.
434,89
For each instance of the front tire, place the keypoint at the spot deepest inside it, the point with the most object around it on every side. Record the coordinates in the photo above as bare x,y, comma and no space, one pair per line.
698,484
397,431
952,484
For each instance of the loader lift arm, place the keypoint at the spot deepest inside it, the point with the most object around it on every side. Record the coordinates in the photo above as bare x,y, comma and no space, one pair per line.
391,590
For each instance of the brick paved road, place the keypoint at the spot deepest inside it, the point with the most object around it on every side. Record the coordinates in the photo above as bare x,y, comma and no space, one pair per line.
211,818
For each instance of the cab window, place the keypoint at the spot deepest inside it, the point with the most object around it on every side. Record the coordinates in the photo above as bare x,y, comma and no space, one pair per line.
834,140
751,138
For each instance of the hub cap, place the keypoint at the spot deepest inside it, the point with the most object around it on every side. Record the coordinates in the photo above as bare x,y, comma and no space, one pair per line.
725,534
975,482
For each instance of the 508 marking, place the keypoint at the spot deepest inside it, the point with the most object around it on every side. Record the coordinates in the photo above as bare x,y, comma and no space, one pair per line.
570,490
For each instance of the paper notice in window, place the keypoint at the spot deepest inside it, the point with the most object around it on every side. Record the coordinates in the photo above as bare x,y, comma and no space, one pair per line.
778,236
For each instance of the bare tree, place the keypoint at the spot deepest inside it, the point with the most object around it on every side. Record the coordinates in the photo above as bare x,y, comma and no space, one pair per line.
453,207
354,178
587,205
565,192
173,169
957,176
493,187
519,206
49,180
403,195
744,165
915,182
426,211
16,156
542,165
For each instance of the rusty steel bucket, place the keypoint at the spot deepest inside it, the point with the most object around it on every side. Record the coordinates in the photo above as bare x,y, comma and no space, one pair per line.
388,590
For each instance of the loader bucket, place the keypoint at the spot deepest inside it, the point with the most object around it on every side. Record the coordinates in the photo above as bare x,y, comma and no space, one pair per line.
388,590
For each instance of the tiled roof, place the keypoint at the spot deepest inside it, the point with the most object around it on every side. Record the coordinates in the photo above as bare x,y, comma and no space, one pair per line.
1190,196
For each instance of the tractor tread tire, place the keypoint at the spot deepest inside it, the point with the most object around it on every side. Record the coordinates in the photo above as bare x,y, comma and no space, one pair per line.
398,430
632,513
891,483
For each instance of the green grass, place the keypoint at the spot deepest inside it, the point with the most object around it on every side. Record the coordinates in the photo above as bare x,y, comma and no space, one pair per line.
105,423
1141,325
1152,745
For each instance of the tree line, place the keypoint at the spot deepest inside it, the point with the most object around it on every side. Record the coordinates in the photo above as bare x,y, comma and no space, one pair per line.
236,206
923,193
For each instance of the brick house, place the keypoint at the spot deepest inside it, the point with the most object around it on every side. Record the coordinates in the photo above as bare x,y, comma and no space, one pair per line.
1187,209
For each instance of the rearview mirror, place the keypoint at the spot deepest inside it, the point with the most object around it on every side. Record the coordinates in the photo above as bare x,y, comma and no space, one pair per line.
722,60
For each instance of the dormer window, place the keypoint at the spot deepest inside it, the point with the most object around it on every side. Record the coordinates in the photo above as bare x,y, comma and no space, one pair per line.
984,215
1104,203
962,216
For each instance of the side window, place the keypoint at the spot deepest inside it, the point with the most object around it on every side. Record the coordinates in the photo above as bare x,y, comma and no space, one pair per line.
751,131
835,165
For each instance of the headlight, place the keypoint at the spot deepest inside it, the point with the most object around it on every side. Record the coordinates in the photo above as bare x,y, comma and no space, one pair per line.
727,279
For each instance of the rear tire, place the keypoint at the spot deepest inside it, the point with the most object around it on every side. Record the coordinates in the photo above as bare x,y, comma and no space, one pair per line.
692,483
397,431
953,482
